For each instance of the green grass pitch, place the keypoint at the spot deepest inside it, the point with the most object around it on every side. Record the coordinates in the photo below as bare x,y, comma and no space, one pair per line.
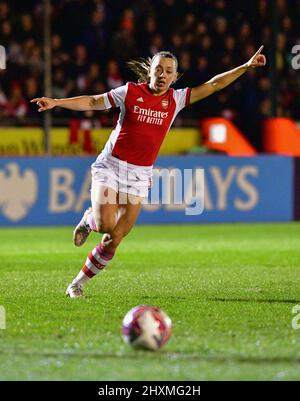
229,290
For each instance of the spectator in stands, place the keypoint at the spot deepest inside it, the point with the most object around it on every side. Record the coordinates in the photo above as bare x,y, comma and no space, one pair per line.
207,36
59,56
16,105
3,102
114,78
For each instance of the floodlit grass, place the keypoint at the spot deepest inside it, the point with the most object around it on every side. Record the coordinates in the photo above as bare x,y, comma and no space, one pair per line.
229,290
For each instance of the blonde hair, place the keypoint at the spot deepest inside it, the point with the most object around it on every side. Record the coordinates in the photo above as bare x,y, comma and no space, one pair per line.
141,67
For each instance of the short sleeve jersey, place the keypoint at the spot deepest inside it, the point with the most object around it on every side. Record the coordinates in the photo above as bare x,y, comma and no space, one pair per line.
144,121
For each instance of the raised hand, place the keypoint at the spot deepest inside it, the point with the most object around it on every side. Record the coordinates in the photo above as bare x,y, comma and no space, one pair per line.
44,103
258,60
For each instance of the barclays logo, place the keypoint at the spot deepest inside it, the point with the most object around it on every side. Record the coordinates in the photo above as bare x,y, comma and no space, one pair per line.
18,191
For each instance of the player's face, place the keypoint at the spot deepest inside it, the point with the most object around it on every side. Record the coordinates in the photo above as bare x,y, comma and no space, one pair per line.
162,74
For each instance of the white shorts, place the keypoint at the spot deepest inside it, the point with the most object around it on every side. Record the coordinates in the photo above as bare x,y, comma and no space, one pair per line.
121,176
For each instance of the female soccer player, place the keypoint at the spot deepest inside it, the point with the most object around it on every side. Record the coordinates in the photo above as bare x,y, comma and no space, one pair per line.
121,175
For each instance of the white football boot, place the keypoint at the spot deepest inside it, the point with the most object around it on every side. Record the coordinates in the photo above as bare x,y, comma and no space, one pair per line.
74,291
82,229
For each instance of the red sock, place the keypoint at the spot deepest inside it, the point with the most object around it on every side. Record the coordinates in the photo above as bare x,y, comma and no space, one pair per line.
97,260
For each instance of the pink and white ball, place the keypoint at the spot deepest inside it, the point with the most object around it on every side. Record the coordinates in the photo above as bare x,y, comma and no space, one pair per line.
146,327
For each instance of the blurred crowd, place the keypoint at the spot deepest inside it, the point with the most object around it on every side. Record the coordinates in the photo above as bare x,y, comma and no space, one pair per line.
92,40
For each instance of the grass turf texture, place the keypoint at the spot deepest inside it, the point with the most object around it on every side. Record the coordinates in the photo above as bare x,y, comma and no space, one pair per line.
229,290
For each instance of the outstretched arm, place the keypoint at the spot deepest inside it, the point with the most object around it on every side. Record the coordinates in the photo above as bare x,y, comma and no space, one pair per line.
222,80
80,103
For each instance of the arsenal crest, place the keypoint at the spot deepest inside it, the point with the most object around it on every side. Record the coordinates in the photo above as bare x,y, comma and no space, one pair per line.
165,103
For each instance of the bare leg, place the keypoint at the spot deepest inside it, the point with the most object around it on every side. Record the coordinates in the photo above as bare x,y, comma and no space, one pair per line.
105,208
128,215
105,212
115,219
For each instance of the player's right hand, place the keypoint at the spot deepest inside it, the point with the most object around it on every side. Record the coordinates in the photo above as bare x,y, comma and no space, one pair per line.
44,103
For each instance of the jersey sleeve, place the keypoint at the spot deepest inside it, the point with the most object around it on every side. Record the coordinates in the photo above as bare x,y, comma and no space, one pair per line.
182,98
116,97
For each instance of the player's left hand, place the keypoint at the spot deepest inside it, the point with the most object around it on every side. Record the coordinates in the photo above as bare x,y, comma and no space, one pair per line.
258,60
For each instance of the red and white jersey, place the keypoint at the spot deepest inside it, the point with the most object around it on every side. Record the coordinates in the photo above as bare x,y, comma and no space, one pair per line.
143,122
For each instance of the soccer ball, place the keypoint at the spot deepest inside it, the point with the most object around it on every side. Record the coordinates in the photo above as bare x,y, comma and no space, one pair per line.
146,327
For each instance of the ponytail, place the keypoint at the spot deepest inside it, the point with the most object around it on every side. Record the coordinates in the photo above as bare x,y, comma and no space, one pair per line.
141,67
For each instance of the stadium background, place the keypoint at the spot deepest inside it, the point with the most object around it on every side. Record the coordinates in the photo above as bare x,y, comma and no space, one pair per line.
81,47
240,278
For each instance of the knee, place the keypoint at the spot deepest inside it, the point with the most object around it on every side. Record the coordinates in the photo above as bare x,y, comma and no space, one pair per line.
105,225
